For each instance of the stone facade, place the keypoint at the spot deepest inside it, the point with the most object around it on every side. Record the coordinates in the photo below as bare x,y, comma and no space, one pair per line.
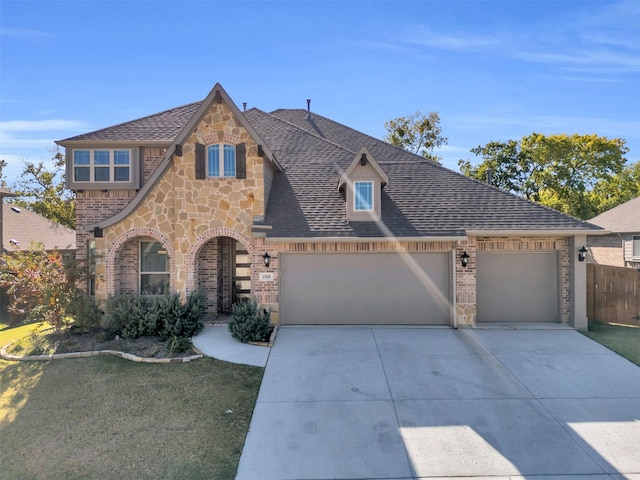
179,211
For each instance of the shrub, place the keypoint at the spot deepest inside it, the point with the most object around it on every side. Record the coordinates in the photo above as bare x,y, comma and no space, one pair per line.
165,316
178,344
86,313
248,324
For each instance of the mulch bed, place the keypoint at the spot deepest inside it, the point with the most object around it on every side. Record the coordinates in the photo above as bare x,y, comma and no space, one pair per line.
69,342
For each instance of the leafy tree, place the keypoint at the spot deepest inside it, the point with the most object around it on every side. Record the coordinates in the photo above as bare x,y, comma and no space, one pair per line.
559,171
42,189
612,191
416,133
39,284
3,180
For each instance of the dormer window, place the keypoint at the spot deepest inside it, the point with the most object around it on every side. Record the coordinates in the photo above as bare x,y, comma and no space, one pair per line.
363,196
221,160
362,183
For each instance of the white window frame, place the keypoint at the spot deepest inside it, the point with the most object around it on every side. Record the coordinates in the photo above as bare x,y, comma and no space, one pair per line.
221,157
635,255
355,196
92,165
166,272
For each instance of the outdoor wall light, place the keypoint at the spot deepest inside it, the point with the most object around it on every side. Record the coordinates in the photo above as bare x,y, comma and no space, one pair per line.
267,259
464,259
582,254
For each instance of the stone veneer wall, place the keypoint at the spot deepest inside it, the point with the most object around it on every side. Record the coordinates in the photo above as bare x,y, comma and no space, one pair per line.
186,212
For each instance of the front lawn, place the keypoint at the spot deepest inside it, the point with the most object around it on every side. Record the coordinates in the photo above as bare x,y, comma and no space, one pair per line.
622,339
108,418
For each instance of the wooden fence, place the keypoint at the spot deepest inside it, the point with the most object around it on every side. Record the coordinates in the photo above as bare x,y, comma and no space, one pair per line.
613,294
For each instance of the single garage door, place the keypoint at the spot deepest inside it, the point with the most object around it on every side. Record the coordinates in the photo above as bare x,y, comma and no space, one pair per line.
378,288
517,287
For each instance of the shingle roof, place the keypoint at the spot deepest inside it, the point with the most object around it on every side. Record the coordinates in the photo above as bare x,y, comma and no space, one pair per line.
26,226
624,218
421,199
160,127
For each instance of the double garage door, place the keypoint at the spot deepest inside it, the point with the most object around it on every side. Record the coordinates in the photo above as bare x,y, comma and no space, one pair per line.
414,289
365,288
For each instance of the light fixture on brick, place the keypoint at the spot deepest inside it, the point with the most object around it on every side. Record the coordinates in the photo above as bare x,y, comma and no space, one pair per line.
464,259
267,259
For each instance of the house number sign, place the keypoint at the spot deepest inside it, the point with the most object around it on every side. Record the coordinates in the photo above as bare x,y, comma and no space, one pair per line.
266,277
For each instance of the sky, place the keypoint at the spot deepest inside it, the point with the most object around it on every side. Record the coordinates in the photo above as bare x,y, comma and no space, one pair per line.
492,70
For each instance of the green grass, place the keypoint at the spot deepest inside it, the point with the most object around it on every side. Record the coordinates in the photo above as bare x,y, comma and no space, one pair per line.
108,418
9,334
622,339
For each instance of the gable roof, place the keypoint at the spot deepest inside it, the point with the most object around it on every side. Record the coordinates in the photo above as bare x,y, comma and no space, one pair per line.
186,127
624,218
363,153
311,153
422,199
26,227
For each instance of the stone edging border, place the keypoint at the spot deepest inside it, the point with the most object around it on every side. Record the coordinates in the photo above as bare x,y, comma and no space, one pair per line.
116,353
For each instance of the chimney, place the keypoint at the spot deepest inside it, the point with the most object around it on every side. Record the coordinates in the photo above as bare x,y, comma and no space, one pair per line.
308,108
490,176
244,106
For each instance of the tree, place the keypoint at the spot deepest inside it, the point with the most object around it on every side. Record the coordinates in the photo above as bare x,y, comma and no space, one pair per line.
3,180
416,133
611,192
42,189
38,283
559,171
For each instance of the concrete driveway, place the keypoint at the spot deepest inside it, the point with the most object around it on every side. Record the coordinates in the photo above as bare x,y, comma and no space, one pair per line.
408,403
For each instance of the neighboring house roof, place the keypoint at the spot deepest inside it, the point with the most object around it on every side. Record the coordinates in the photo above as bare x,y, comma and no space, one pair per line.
422,198
6,193
25,227
624,218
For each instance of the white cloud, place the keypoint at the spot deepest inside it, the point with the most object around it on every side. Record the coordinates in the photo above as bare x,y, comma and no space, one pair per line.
458,42
24,33
39,125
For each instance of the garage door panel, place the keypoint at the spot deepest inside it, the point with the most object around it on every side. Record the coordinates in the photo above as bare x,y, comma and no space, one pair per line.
518,286
381,288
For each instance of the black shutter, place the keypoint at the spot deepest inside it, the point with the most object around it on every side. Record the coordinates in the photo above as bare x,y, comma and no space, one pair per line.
200,161
241,161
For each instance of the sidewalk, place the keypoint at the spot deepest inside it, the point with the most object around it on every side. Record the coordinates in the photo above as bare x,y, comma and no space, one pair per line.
217,342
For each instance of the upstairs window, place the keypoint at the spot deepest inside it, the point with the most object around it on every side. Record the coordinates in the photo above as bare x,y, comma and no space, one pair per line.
102,165
363,196
636,246
221,160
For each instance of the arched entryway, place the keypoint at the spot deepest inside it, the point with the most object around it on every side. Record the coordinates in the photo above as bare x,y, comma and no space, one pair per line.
223,266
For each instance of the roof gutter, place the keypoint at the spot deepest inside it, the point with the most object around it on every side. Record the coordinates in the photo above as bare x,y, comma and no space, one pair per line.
535,233
362,239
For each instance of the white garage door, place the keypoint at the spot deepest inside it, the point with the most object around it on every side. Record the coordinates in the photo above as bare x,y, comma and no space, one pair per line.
517,287
379,288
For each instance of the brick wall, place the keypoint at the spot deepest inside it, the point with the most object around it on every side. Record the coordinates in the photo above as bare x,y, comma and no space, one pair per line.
152,158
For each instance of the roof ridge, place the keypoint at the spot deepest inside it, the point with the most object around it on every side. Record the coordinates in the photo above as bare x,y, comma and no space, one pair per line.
362,133
330,142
